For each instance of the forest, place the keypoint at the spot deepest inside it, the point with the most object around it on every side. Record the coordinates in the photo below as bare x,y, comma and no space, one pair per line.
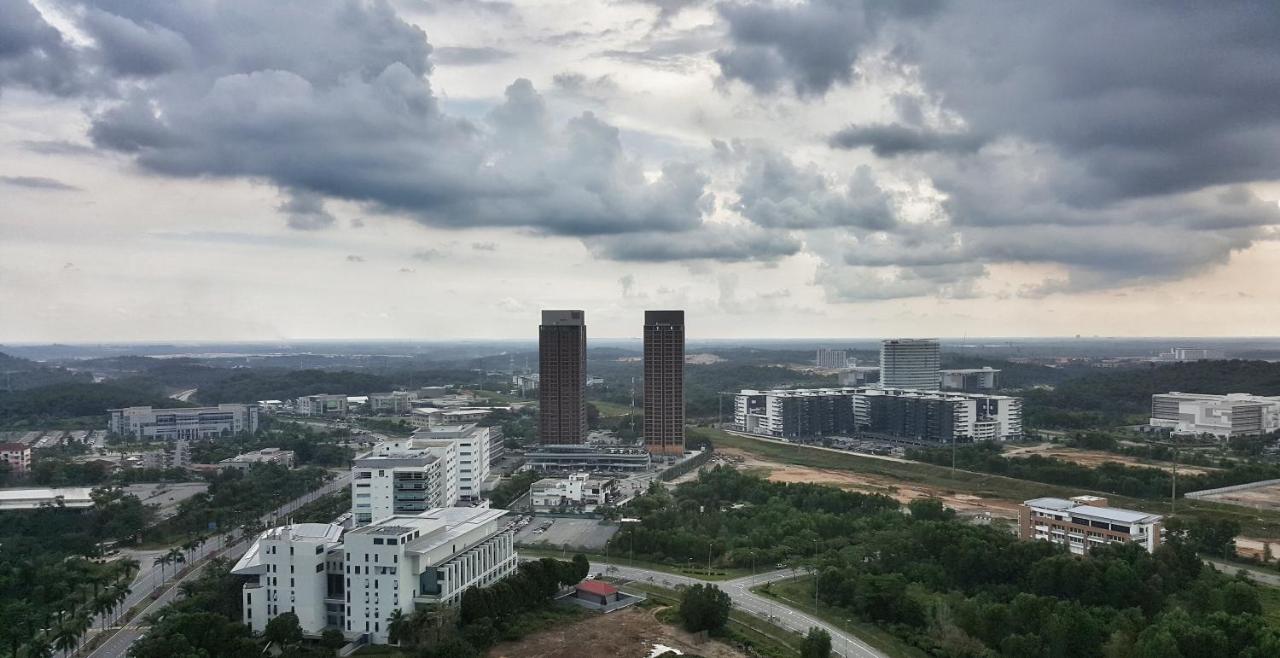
954,589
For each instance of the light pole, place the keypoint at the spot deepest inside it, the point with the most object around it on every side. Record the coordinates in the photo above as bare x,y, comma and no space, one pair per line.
708,560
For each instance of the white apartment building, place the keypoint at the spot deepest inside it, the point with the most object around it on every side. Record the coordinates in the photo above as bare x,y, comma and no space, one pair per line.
1224,416
1085,522
321,405
829,358
910,363
404,477
473,454
354,582
578,491
187,424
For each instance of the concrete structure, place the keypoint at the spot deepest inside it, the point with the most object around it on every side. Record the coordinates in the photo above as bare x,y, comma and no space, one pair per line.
404,477
562,370
1085,522
353,583
1185,354
26,499
587,458
859,376
248,460
664,383
898,414
970,379
832,359
322,405
17,456
910,363
188,424
395,403
473,454
1223,416
578,492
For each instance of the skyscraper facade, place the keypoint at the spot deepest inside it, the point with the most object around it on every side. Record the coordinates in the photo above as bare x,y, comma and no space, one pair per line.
562,380
910,363
664,382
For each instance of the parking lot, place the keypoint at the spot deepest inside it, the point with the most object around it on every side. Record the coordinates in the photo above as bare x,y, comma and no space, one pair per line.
167,495
584,534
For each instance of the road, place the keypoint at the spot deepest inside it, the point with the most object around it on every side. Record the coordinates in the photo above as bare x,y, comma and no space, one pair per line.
150,577
1257,575
843,644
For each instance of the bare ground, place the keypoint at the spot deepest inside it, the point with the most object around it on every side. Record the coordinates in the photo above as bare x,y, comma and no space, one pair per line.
1267,497
903,492
628,633
1094,458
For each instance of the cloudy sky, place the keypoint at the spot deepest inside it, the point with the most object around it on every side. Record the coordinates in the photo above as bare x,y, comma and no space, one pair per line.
196,169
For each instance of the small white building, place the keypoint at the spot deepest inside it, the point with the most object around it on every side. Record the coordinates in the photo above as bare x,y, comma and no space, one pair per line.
189,423
578,492
247,460
322,405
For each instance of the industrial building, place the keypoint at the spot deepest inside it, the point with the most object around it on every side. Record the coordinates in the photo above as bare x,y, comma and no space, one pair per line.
897,414
664,383
1085,522
910,363
1224,416
353,582
187,424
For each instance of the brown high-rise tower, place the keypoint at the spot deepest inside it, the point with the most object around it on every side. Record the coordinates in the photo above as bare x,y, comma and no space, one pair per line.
664,382
562,377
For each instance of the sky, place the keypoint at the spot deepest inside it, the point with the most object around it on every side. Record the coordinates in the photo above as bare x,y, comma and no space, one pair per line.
437,169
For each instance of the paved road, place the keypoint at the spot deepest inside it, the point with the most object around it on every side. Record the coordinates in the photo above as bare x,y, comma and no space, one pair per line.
1257,575
843,644
149,577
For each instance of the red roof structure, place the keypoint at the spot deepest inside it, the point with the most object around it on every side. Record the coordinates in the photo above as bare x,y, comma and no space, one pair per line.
596,587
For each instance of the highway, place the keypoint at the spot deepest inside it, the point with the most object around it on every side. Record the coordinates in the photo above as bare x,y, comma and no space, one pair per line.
843,644
149,577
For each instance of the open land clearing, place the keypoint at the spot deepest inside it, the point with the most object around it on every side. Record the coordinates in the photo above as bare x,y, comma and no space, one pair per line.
1095,458
1266,497
628,633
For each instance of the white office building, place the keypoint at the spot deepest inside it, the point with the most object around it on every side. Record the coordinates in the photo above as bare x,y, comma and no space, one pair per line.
1223,416
579,492
910,363
187,424
322,405
404,477
1083,523
354,582
473,454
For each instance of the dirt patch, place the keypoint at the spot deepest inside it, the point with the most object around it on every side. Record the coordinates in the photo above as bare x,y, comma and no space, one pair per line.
628,633
903,492
1267,497
1095,458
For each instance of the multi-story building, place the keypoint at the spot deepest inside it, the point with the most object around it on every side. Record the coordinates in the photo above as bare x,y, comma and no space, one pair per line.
395,403
1085,522
859,375
910,363
562,377
577,492
188,424
832,359
898,414
17,456
574,458
354,582
1184,354
1223,416
404,477
497,444
664,383
970,379
322,405
248,460
473,454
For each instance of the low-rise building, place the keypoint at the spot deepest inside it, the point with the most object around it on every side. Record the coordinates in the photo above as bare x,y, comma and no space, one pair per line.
574,458
35,498
17,456
859,376
970,379
188,424
322,405
173,455
1085,522
395,403
354,582
1223,416
248,460
578,492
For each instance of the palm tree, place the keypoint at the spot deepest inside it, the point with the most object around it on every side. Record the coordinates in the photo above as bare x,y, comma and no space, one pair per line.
397,624
120,594
65,639
162,560
176,557
102,606
40,647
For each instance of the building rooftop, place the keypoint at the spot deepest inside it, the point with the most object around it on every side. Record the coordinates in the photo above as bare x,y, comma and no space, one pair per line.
1114,514
32,498
435,527
596,587
251,562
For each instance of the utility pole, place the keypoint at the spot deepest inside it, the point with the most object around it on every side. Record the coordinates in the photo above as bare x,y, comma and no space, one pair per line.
1173,496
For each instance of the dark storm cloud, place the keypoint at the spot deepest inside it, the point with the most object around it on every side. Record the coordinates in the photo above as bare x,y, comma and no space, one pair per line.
34,54
470,56
306,211
891,140
38,183
775,192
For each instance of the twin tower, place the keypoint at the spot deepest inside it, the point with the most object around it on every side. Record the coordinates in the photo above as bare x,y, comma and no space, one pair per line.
562,381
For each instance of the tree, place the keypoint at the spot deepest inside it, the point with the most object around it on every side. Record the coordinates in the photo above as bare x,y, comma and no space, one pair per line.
284,630
817,644
332,639
397,623
930,509
704,608
581,568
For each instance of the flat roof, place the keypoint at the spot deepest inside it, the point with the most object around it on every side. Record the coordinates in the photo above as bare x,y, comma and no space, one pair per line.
1116,514
32,498
251,561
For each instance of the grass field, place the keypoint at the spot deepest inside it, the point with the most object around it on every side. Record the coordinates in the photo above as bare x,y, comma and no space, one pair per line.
612,409
1270,597
798,594
1253,522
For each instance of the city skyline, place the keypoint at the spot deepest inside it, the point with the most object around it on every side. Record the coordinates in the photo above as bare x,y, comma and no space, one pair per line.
823,169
